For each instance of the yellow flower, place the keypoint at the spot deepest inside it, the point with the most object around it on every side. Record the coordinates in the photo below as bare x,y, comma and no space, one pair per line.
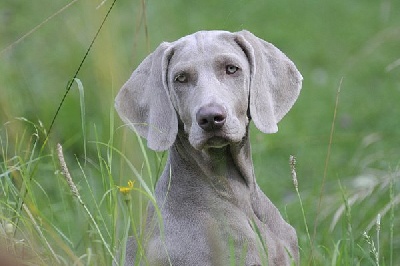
126,190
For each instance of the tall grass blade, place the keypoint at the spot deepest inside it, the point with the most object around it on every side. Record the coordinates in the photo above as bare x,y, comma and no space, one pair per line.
83,116
321,192
99,214
75,192
391,195
292,163
37,27
378,230
42,236
69,84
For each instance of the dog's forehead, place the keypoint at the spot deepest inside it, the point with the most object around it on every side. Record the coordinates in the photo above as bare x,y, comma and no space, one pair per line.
205,45
204,39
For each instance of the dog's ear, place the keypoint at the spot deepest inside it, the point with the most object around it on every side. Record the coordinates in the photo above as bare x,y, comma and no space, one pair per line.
144,103
275,81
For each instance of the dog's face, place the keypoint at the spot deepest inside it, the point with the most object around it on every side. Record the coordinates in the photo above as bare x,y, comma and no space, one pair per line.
206,84
208,80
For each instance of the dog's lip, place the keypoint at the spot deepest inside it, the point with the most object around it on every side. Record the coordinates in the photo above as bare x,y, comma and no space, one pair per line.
215,139
216,142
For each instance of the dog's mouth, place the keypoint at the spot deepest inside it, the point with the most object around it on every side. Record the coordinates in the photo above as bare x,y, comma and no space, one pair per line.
210,141
229,134
216,142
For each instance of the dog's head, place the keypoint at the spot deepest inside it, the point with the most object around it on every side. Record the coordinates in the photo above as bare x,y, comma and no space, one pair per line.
208,84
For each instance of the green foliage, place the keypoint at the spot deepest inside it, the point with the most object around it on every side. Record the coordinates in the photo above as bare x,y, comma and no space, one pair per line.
356,42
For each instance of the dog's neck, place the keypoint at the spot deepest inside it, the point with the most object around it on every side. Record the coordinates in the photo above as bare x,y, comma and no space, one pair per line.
216,163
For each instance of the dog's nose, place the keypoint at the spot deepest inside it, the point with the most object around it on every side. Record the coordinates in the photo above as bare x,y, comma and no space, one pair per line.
211,117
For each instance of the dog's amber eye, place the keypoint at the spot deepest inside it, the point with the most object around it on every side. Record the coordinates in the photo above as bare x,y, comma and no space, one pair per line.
231,69
181,78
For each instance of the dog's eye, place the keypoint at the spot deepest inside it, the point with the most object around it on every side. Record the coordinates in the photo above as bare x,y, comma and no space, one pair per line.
231,69
181,78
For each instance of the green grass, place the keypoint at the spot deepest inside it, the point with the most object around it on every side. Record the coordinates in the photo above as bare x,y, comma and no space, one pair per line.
84,219
340,43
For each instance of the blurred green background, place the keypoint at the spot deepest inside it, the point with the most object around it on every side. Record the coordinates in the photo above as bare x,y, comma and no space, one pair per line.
354,45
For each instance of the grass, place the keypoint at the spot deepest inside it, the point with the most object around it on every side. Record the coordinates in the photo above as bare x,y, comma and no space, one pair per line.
353,44
86,217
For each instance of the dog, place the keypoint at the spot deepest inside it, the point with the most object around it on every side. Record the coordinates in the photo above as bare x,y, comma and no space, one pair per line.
196,97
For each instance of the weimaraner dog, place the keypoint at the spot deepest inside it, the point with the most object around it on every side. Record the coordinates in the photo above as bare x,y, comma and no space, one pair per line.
196,97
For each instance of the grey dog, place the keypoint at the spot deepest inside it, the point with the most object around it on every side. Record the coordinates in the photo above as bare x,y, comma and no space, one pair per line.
196,97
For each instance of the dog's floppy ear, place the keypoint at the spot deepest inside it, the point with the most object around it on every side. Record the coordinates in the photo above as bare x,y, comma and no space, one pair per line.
144,103
275,81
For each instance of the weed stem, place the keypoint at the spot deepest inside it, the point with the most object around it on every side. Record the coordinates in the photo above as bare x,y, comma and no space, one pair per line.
75,192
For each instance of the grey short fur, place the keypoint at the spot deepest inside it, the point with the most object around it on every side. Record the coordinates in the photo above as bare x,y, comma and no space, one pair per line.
196,97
